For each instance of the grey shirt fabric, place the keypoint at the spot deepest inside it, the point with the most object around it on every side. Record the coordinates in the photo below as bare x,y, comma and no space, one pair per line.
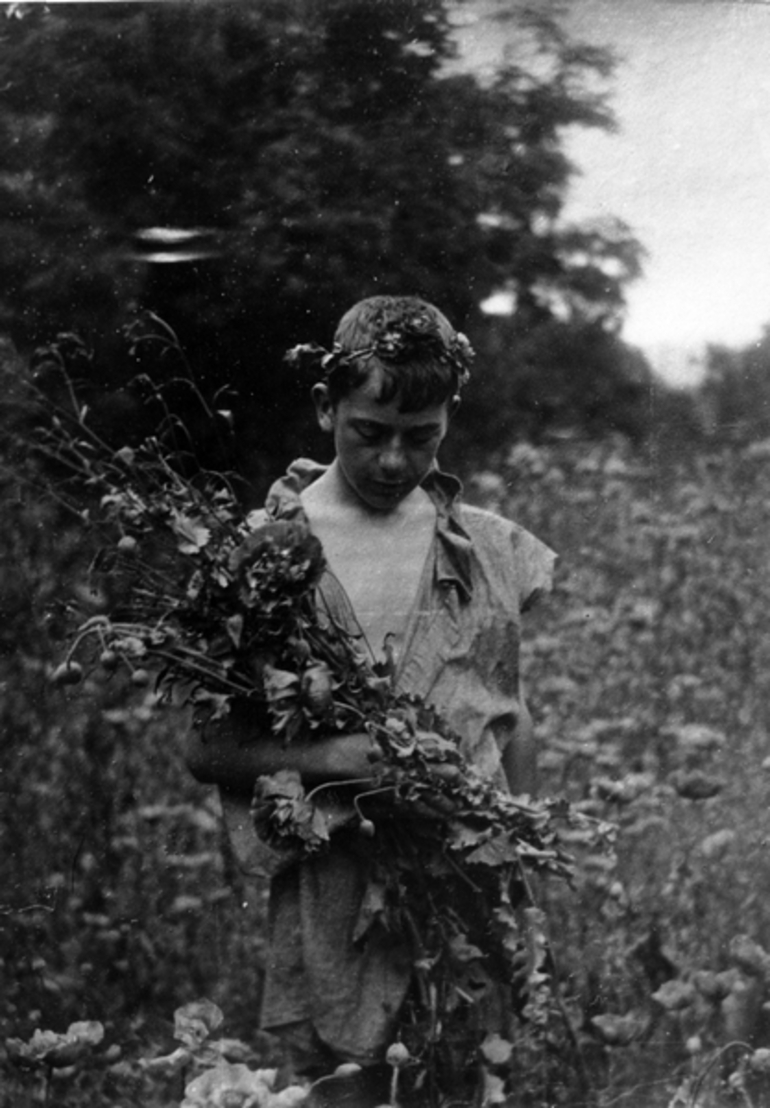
460,653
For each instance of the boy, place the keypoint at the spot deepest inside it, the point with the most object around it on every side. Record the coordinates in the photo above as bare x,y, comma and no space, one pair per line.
434,591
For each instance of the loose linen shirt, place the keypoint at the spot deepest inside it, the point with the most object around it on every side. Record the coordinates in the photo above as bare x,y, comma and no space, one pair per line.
460,653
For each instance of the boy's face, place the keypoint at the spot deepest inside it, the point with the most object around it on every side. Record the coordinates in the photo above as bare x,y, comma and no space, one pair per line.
382,453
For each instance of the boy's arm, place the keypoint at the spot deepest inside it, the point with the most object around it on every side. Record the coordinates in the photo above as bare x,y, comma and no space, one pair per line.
520,755
229,753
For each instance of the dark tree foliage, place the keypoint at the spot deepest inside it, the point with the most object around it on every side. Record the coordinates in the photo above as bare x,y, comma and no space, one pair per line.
561,368
323,150
735,393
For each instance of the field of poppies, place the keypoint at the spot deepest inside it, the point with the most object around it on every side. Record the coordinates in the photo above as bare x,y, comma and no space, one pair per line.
647,673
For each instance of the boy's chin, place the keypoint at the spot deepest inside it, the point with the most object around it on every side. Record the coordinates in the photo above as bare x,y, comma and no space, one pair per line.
384,497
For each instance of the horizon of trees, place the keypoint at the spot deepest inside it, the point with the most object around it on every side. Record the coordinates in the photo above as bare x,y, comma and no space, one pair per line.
317,152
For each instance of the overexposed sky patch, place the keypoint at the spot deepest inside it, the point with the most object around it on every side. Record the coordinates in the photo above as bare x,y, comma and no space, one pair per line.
688,169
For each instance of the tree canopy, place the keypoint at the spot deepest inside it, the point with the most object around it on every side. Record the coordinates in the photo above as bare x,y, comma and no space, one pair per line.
321,151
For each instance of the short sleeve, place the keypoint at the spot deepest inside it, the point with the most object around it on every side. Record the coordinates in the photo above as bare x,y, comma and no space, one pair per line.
536,566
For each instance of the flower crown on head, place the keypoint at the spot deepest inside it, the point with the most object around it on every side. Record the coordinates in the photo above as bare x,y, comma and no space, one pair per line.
413,338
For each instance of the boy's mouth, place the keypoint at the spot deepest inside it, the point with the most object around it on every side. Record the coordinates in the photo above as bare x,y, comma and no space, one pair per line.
391,488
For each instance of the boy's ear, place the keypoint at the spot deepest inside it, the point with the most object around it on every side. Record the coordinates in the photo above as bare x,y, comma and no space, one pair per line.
453,405
323,406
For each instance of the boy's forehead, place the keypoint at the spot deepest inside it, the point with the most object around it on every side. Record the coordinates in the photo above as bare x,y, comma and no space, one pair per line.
365,402
368,395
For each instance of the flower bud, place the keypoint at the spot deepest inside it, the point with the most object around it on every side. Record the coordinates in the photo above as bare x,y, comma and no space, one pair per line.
108,660
397,1055
68,673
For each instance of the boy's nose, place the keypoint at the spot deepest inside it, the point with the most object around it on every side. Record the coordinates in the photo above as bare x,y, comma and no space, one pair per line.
393,458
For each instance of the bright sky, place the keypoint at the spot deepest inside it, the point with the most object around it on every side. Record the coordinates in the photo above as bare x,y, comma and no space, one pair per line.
689,168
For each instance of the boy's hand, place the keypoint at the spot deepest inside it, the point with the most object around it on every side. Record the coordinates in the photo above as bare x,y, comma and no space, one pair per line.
336,814
346,757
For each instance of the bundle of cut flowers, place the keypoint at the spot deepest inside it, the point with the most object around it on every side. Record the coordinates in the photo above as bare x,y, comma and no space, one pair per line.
216,611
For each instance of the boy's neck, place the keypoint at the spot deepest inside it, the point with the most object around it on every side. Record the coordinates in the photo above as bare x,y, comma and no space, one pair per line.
332,495
378,557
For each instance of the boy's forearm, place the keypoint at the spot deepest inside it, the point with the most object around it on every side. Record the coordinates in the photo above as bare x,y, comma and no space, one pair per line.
520,765
231,754
520,755
222,754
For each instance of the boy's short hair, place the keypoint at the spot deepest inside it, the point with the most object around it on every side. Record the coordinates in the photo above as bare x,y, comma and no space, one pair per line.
423,359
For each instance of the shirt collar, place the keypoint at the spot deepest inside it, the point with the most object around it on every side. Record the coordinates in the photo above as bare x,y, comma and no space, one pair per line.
454,547
284,496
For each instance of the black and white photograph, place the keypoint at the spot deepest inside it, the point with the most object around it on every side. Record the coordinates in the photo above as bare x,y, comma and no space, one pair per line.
384,574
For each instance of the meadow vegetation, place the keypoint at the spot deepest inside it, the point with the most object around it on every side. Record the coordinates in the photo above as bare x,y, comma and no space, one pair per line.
647,673
130,948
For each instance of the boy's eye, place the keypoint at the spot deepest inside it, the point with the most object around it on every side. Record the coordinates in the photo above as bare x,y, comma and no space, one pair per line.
375,432
422,438
369,431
